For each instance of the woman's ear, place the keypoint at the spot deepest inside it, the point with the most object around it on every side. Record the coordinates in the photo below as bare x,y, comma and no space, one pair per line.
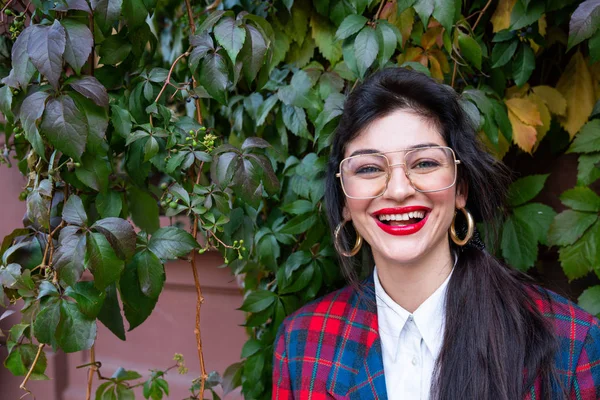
462,191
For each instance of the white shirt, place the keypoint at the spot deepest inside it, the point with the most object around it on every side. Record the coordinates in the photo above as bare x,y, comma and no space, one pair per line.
410,343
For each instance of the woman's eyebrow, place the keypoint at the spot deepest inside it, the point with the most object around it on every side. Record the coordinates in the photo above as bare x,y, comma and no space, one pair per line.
372,151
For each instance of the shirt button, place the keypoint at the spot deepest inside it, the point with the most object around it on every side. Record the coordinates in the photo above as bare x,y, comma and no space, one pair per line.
415,361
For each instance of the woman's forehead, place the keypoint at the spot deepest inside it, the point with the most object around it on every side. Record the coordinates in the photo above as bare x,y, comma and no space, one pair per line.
401,129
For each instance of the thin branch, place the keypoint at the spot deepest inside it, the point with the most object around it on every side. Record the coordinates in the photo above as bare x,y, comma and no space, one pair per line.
481,14
454,73
5,7
212,6
199,296
35,360
92,371
168,80
380,9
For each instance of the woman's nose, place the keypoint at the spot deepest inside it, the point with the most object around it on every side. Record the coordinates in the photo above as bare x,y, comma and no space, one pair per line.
399,186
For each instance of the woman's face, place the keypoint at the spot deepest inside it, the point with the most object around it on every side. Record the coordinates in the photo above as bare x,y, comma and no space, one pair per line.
402,241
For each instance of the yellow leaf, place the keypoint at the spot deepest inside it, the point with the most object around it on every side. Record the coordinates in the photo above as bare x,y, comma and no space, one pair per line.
516,91
500,150
524,135
441,58
411,54
435,68
542,25
524,109
553,98
544,117
431,37
501,17
405,23
577,87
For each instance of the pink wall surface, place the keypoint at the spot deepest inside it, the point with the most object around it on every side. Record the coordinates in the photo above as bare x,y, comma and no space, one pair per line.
169,330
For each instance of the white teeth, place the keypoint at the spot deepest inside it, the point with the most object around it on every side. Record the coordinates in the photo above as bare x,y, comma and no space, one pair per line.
401,217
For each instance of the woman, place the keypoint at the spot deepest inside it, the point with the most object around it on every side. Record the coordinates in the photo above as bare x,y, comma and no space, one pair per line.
439,317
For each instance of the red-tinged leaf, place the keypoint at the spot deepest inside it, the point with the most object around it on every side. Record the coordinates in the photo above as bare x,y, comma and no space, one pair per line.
45,47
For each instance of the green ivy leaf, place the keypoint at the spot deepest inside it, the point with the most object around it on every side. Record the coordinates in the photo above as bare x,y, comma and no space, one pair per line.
121,120
109,204
587,172
78,45
232,378
75,332
89,299
580,258
258,300
366,48
581,199
150,272
170,243
94,171
525,189
444,12
590,300
424,9
135,12
31,110
350,25
323,32
46,322
523,16
230,36
114,49
538,217
523,65
214,76
588,138
470,49
20,360
301,281
107,12
63,125
91,88
22,67
568,226
299,224
73,211
503,52
136,305
119,233
38,202
519,244
110,313
143,209
387,39
45,47
69,258
253,53
101,260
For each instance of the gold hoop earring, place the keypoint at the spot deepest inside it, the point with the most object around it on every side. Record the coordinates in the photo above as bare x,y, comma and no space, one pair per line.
339,249
470,228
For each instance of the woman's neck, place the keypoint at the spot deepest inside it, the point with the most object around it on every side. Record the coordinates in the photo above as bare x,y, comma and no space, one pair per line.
410,284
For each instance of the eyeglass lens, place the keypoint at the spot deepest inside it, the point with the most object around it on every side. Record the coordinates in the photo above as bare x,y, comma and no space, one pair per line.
429,170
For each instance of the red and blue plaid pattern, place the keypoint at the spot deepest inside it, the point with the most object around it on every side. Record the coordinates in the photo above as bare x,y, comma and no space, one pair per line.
331,349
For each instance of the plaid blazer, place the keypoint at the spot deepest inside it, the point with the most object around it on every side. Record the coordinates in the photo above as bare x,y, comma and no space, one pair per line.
330,348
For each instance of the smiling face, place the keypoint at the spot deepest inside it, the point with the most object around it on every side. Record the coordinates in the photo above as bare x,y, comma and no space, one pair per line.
403,226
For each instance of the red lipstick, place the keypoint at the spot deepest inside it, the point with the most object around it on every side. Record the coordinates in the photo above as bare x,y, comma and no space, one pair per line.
401,230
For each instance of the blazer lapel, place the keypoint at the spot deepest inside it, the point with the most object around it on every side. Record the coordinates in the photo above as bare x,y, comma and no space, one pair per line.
357,371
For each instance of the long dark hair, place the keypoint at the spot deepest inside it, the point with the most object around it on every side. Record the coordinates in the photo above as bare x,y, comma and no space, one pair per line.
496,342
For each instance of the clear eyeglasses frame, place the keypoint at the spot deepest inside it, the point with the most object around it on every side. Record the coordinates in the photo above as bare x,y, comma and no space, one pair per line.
450,168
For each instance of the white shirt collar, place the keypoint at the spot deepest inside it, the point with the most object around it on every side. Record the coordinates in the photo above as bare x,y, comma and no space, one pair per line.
429,317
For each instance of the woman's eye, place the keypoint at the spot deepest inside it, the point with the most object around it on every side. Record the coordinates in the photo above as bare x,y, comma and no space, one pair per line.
424,164
368,169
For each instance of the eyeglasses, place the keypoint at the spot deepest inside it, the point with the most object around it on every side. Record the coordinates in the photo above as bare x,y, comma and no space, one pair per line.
428,169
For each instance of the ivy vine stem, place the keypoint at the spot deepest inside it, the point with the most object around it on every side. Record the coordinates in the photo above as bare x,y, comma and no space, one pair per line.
35,361
92,371
483,10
